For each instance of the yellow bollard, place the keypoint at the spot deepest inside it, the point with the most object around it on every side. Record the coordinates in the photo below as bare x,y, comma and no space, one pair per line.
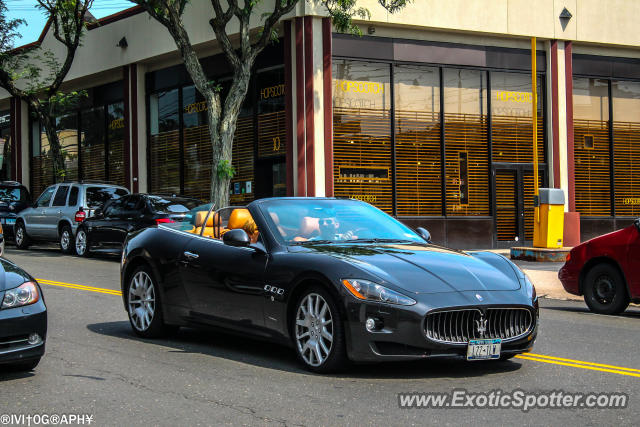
550,231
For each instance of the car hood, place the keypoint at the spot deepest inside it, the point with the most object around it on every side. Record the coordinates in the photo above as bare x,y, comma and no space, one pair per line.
428,268
11,276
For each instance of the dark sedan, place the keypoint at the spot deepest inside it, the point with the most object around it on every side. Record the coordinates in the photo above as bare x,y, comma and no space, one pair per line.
108,227
606,270
23,318
14,197
336,279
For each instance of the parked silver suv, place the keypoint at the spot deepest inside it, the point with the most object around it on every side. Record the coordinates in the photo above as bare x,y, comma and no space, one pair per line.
56,214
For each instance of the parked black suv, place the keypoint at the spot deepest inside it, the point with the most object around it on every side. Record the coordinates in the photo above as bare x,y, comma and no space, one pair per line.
14,197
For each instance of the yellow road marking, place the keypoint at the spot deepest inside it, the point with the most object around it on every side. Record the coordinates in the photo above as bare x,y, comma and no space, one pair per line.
578,364
79,287
619,368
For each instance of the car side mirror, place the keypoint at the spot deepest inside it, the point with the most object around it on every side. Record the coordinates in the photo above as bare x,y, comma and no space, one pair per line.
422,232
236,237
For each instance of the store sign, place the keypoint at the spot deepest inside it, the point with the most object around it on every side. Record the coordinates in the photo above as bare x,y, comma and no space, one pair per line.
277,144
116,124
513,96
364,172
272,92
354,86
196,107
512,103
369,198
635,201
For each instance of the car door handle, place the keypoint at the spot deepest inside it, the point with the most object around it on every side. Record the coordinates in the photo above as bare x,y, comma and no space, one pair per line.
191,255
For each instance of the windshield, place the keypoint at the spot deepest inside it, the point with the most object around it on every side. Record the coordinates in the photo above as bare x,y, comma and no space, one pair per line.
329,221
171,205
12,194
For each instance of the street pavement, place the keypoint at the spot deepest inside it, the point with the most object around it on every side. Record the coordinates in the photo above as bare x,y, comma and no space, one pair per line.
95,365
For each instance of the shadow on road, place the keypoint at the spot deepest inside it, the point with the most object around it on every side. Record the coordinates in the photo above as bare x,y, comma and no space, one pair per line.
273,356
54,252
7,373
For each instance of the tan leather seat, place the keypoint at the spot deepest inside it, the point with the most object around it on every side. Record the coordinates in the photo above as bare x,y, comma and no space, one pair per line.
241,218
208,228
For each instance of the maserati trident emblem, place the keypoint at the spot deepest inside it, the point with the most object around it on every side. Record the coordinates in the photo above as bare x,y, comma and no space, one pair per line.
481,325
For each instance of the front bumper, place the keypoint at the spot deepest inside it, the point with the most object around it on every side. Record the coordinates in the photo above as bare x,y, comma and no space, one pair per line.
16,324
569,276
403,336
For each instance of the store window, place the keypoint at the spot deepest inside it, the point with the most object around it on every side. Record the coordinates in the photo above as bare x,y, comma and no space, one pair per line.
41,164
626,147
272,144
92,144
197,145
417,141
465,138
115,143
5,145
67,130
591,146
362,132
511,118
164,143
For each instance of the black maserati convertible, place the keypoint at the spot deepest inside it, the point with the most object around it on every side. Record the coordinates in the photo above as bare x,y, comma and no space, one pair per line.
336,279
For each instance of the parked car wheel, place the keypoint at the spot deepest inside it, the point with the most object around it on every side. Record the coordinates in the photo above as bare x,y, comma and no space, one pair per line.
144,305
22,240
605,291
82,243
317,331
67,243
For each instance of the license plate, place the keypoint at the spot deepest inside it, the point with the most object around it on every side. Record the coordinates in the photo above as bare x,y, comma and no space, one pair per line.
484,349
10,221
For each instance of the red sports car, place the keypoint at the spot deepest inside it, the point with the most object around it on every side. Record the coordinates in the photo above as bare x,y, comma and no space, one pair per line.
606,270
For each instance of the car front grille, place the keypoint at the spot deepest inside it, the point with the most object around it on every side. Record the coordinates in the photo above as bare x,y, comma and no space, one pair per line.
460,326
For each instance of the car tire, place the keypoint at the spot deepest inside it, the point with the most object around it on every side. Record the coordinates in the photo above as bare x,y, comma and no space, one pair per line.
22,240
320,347
146,317
81,243
28,365
605,291
67,242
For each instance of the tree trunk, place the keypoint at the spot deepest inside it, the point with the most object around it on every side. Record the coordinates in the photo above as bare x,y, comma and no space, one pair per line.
57,157
222,136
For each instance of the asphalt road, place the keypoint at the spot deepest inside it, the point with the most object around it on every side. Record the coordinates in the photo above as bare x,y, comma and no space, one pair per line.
95,365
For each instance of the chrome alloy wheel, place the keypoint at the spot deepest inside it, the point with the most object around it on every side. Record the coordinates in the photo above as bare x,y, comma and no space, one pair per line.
64,240
314,329
81,242
141,300
19,235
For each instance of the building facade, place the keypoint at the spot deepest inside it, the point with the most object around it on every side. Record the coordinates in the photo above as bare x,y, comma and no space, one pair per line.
427,116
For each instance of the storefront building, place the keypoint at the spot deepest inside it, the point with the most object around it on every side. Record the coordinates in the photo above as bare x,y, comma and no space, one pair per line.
426,116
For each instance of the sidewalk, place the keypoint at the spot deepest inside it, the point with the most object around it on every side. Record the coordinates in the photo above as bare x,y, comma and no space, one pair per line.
544,276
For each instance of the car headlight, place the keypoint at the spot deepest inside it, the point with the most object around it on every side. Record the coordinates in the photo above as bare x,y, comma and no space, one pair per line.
369,291
25,294
531,290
